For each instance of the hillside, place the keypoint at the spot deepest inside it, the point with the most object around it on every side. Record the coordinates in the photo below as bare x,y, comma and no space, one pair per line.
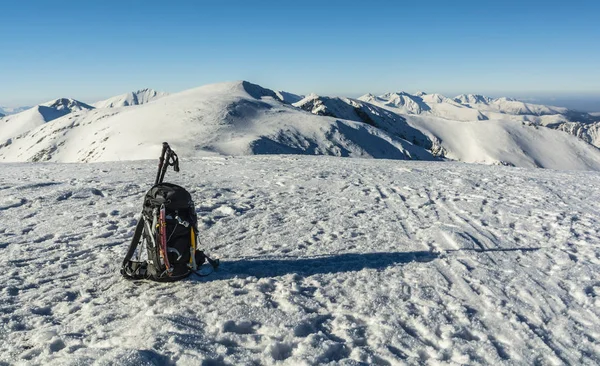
324,261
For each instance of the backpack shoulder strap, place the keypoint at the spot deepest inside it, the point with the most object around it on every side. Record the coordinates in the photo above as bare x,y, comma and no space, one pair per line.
135,240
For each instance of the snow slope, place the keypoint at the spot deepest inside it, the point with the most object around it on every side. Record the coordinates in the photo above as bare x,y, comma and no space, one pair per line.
324,261
13,125
288,98
508,142
236,118
132,98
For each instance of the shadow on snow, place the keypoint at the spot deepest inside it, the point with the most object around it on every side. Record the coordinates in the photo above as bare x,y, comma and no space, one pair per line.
347,262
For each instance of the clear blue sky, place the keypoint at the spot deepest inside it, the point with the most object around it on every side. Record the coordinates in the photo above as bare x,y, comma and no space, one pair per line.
91,50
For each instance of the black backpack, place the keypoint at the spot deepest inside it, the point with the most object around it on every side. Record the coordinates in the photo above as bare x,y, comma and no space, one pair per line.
164,245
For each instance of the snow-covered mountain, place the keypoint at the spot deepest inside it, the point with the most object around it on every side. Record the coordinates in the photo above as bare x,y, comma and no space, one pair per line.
237,118
241,118
498,141
132,98
323,261
472,107
288,98
12,110
15,124
357,110
507,105
433,105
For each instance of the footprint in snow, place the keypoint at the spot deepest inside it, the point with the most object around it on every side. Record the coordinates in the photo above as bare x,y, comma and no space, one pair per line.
241,327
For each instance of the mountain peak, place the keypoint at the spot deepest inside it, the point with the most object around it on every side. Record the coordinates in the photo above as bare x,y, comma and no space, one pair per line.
66,104
472,99
137,97
256,91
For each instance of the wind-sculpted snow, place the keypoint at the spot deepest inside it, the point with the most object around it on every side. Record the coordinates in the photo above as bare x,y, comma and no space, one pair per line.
324,261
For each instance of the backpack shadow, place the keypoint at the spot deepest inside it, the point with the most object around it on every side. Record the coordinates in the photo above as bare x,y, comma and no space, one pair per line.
347,262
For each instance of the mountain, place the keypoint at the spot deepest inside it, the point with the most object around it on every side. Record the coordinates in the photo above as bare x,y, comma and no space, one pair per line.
288,98
360,111
8,110
241,118
237,118
498,141
433,105
507,105
133,98
1,115
474,107
15,124
324,261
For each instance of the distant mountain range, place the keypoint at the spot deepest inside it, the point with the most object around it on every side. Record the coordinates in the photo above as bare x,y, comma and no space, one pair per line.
240,118
5,111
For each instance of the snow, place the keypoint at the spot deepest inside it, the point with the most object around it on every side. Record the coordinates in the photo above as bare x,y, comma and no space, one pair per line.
508,105
15,124
141,96
241,118
288,98
324,260
235,118
508,142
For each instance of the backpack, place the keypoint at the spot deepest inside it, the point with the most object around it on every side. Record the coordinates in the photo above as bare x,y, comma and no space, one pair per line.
164,244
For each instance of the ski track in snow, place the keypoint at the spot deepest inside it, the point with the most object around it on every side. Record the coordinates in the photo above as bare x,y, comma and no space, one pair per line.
324,260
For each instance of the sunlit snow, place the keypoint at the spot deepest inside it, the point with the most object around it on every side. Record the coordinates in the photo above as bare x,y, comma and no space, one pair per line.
323,260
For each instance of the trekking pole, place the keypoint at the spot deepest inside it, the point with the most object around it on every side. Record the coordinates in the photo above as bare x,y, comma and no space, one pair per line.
161,161
170,159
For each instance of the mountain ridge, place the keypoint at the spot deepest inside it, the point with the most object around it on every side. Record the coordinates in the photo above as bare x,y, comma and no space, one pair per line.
242,118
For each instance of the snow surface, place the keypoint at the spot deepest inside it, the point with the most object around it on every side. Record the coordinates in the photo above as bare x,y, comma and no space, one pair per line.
324,261
288,98
142,96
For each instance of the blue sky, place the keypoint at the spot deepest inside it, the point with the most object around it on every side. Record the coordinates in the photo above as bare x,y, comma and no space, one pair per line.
91,50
